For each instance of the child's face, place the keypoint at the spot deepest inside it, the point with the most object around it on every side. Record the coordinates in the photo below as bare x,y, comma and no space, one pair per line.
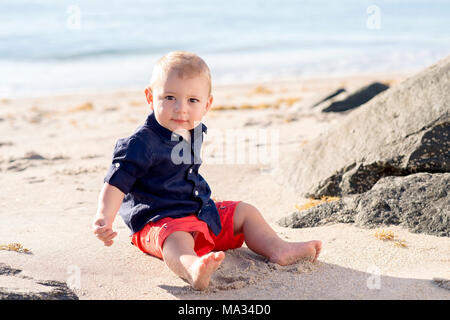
179,104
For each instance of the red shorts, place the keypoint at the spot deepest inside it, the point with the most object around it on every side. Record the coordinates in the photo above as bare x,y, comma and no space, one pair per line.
150,239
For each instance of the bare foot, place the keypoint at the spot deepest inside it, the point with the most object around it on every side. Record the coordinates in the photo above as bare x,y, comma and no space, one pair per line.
203,268
295,251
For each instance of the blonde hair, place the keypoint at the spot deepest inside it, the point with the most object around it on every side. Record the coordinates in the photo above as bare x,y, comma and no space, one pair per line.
186,64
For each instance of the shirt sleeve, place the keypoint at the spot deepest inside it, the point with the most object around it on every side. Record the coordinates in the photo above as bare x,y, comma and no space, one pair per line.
131,160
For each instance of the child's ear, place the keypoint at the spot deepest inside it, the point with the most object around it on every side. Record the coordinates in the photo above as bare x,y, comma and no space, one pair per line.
209,103
149,96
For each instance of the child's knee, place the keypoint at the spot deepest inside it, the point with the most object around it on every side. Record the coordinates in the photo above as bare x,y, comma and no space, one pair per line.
178,241
243,212
244,209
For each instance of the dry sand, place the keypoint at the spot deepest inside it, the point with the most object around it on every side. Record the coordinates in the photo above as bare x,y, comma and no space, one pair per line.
55,152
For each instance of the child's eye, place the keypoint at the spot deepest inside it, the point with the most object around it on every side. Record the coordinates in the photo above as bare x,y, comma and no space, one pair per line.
170,98
193,100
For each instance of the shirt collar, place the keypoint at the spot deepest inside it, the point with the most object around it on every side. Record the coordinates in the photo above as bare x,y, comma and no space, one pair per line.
166,133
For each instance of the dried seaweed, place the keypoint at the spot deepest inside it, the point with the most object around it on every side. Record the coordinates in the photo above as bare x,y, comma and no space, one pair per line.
261,90
14,247
82,107
314,202
388,235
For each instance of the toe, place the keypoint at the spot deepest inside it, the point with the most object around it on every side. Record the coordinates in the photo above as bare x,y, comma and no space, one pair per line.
206,260
219,255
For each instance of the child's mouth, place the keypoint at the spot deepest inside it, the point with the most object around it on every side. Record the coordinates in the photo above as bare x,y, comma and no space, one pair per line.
179,121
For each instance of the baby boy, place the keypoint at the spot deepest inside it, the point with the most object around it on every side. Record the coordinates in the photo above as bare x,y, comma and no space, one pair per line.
164,200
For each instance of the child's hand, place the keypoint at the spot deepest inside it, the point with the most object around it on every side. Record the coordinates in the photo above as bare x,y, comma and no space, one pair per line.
103,232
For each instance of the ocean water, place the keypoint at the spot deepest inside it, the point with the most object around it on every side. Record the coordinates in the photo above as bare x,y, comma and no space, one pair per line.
54,46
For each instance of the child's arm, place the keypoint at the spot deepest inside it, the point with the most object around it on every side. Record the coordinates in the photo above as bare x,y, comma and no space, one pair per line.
109,202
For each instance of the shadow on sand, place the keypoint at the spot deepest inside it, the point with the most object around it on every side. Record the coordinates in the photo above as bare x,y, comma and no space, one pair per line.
245,275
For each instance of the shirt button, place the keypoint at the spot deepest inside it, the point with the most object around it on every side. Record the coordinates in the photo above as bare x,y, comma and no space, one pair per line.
190,170
117,165
196,192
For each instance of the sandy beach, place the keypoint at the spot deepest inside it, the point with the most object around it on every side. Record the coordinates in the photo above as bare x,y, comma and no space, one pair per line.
55,152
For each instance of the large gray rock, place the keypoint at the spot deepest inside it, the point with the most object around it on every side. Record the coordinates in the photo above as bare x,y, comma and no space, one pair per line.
401,131
419,202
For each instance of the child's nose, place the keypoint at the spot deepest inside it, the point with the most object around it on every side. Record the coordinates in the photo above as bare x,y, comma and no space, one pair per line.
180,106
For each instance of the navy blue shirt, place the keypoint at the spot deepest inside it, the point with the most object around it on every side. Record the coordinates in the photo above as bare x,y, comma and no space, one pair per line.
157,170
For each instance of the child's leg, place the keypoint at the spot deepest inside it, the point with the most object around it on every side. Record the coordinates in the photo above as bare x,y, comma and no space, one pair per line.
180,257
262,239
